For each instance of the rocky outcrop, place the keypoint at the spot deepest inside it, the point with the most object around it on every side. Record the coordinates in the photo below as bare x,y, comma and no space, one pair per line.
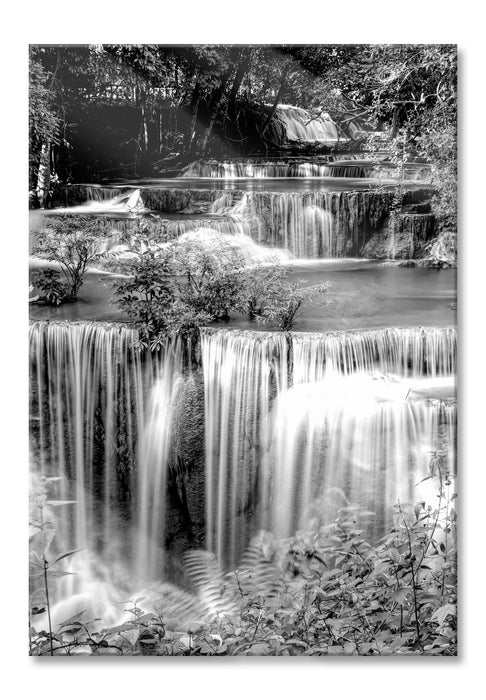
400,238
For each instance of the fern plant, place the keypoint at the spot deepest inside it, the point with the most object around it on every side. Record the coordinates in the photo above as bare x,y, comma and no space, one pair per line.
323,592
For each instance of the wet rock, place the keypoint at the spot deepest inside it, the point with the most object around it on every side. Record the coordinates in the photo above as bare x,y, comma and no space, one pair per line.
402,238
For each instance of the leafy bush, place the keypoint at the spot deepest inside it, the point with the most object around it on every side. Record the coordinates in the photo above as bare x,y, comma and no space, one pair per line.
177,287
52,290
325,592
182,285
74,244
259,285
269,296
145,294
210,281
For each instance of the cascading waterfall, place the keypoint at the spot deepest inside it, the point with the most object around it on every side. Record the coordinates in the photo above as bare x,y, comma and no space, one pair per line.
261,169
354,166
352,440
310,224
94,193
153,460
301,125
289,418
307,224
106,200
331,395
318,224
408,352
110,446
241,372
123,229
302,227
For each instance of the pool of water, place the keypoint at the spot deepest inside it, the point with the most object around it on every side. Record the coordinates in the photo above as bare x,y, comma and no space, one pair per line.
273,184
364,294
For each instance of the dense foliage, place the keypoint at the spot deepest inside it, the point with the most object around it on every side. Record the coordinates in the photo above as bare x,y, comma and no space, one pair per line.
325,592
181,285
271,297
44,123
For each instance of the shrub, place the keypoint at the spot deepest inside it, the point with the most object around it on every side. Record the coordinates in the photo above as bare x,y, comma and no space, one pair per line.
74,244
258,286
145,293
326,591
269,296
182,285
51,290
209,281
178,287
168,288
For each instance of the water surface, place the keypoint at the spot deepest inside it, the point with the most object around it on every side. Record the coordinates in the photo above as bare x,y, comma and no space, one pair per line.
364,294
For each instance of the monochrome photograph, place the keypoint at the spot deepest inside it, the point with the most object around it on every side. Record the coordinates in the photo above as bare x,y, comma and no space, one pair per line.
242,349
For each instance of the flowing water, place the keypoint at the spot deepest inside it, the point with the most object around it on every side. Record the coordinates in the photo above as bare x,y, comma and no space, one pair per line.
310,218
352,166
205,446
104,416
101,415
301,125
333,419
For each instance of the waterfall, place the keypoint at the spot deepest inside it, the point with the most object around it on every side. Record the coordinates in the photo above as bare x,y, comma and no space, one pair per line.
232,170
290,414
310,224
95,193
242,370
99,430
105,200
408,352
353,167
261,168
352,440
381,170
153,458
289,418
301,125
320,224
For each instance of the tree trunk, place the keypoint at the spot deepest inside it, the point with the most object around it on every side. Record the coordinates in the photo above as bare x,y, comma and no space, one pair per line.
144,126
241,71
193,110
214,106
44,174
161,132
276,101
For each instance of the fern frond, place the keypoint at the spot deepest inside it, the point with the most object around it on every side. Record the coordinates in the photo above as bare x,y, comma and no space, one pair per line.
205,573
259,572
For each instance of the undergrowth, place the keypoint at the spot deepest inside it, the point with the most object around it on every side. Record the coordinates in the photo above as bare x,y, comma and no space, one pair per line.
324,592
